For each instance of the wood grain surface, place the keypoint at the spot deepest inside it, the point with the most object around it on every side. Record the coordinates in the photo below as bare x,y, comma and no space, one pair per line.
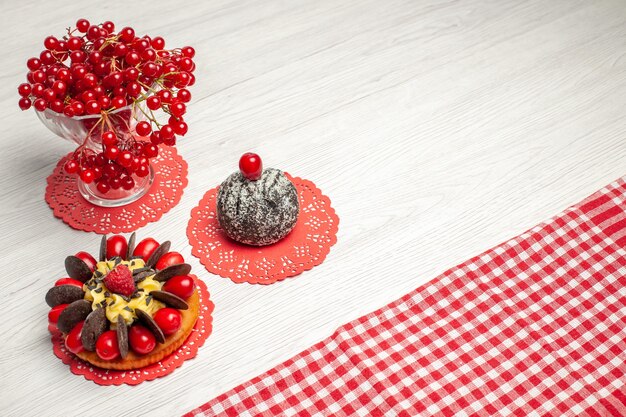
438,129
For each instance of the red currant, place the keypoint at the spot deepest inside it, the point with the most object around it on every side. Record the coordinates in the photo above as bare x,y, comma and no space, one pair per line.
108,26
145,248
180,128
39,76
78,108
103,187
93,33
95,57
153,102
165,96
53,314
119,91
118,102
87,176
125,158
181,285
169,259
106,346
82,25
51,43
150,150
48,94
92,107
133,89
105,102
186,64
40,104
158,43
87,258
47,58
57,106
177,109
74,43
73,342
131,74
188,51
78,56
59,87
111,152
141,340
169,320
68,111
166,132
143,128
71,166
183,79
25,103
127,182
38,89
120,49
116,246
115,183
109,138
148,55
24,89
184,95
69,281
127,34
33,64
64,75
251,166
155,138
142,170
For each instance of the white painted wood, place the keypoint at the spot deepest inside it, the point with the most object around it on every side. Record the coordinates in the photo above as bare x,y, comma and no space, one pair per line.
438,128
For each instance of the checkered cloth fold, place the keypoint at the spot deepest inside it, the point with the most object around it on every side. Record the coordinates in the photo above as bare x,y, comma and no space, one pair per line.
532,327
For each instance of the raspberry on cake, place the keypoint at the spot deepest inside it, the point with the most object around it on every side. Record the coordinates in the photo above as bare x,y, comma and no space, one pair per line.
120,280
121,312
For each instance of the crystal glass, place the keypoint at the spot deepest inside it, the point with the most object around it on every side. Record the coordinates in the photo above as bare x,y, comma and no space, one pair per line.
76,129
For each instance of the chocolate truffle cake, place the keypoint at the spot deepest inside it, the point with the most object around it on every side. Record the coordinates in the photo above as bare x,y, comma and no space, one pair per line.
255,206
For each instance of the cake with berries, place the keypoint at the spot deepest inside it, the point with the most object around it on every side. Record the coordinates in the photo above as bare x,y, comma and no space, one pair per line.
257,206
131,308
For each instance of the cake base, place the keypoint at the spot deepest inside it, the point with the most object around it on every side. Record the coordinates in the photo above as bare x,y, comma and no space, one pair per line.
172,343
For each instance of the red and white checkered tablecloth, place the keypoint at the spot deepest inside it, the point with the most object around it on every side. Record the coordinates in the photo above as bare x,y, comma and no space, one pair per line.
533,327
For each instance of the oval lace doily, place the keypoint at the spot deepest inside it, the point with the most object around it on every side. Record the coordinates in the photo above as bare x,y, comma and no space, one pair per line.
170,179
188,350
305,247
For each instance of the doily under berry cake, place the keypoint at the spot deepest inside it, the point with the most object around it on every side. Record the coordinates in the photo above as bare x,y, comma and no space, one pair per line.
306,246
64,199
189,349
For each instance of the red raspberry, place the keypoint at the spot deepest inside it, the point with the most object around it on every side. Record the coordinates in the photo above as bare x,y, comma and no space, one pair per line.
120,281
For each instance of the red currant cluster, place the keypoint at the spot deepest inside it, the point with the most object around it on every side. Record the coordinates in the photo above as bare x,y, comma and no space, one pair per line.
94,70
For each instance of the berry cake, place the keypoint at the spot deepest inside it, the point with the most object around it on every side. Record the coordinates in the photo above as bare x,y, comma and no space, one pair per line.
256,206
131,308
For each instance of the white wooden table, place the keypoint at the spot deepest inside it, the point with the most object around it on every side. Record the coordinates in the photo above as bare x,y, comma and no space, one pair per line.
438,128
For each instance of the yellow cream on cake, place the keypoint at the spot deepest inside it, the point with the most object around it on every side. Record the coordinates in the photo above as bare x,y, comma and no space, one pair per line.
116,304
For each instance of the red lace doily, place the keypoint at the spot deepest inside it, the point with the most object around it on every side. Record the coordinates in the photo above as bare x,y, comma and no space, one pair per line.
188,350
170,178
305,247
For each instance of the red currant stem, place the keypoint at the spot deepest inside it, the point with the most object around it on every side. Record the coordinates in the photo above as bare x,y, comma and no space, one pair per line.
149,88
108,41
154,120
70,31
150,116
143,96
100,121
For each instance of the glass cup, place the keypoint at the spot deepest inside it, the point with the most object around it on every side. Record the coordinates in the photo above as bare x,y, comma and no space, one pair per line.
76,129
